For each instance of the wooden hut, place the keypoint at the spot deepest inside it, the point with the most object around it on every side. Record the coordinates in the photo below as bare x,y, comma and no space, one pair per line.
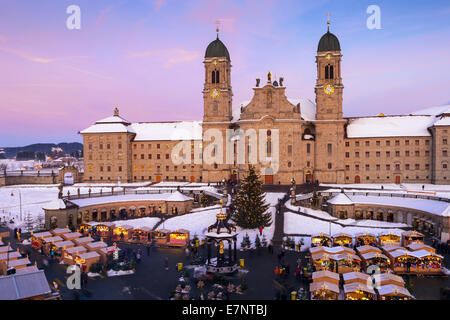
179,238
85,260
326,276
60,231
376,258
71,236
409,237
366,249
323,290
389,239
70,254
383,279
355,277
16,264
416,246
321,239
161,236
358,291
106,252
122,233
93,246
365,239
345,262
142,235
393,292
400,260
82,240
342,239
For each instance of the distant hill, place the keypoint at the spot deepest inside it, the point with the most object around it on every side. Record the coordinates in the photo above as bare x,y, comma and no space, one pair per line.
68,148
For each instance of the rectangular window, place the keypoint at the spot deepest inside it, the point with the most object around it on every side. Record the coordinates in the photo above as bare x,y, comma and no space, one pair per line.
406,142
397,153
149,156
356,154
388,154
356,143
108,146
378,154
142,157
158,146
120,168
290,150
356,167
101,146
417,153
367,143
367,154
347,154
367,167
444,153
347,167
388,143
427,142
378,143
330,165
308,148
388,167
347,144
397,142
417,142
158,156
378,167
120,146
406,166
330,148
417,166
167,156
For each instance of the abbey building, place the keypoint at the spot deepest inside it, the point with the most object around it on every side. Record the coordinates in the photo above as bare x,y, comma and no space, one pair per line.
295,138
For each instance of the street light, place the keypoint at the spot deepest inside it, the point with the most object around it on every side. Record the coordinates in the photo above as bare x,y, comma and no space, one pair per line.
20,203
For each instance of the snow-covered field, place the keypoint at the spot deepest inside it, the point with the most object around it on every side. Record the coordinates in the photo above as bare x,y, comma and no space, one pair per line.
34,198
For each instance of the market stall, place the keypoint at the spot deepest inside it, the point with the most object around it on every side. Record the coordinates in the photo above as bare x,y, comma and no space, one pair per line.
365,239
37,238
103,230
342,239
82,240
13,255
416,246
402,261
60,247
409,237
161,236
321,239
355,277
390,248
85,260
5,249
358,291
331,250
48,244
70,254
179,238
324,291
345,262
376,258
393,292
71,236
321,261
16,264
428,262
60,231
27,269
142,235
366,249
93,246
106,252
389,239
122,233
86,228
325,276
383,279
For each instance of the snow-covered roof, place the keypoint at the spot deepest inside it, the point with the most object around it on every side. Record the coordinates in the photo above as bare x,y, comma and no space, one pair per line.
168,131
325,274
390,126
371,255
88,255
355,275
124,198
381,277
356,286
392,247
24,285
323,285
418,246
340,199
177,196
113,119
443,121
432,206
366,248
64,244
76,250
434,111
57,204
391,289
113,124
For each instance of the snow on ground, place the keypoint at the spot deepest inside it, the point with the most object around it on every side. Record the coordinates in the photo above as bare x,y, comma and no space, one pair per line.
34,198
349,222
198,222
148,222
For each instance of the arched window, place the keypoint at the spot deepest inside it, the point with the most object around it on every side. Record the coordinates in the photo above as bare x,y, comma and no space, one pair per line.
326,72
217,76
331,72
213,77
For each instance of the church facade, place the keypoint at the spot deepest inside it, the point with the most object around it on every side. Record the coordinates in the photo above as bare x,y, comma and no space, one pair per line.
284,138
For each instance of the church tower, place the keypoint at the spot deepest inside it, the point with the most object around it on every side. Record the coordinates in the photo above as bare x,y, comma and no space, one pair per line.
217,113
329,124
217,94
329,87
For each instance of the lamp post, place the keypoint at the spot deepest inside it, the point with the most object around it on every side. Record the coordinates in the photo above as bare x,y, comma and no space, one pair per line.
20,203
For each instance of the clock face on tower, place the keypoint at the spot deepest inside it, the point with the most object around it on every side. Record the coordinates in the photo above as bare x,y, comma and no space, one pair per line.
329,89
215,93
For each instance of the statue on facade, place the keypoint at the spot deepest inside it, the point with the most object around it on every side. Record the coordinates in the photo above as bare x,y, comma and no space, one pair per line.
60,193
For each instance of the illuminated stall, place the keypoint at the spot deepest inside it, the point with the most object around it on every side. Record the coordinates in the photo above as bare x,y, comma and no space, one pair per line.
37,239
179,238
93,246
161,236
331,250
104,230
345,262
48,244
60,247
400,260
323,290
409,237
86,228
70,254
376,258
107,252
389,239
122,233
342,239
358,291
383,279
142,235
366,239
428,262
85,260
321,261
390,248
393,292
321,239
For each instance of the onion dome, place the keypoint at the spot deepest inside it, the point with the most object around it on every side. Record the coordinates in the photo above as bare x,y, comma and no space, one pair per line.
217,49
329,42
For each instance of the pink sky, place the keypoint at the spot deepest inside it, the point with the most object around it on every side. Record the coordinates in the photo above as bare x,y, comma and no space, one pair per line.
146,58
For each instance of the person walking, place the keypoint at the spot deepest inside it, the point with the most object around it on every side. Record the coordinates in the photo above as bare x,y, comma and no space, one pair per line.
166,263
148,250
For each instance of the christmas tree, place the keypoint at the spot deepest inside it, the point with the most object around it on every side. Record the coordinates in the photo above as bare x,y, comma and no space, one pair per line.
246,242
204,200
257,242
250,204
29,222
